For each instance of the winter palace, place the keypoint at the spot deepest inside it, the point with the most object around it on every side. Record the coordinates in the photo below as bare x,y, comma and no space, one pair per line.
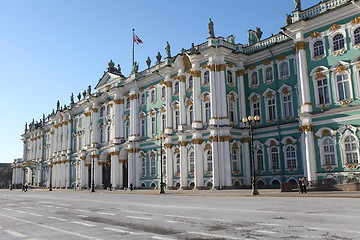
182,117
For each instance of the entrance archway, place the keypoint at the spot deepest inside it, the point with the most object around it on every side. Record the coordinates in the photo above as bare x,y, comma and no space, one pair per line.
106,172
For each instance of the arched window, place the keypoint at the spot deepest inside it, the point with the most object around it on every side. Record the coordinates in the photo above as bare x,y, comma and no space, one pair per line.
232,112
176,88
351,150
101,135
275,164
329,151
230,77
126,129
357,36
108,134
338,42
234,160
177,160
101,112
318,48
259,160
143,165
284,70
163,92
206,78
142,99
163,122
152,164
209,161
191,114
190,83
268,75
153,125
128,103
254,79
323,91
290,155
343,86
143,127
153,95
176,118
191,162
108,109
207,112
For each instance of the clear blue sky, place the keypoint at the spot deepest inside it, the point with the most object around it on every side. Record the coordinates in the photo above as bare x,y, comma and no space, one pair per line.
49,49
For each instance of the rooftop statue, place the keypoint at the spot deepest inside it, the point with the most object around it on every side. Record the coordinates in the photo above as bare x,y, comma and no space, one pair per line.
72,98
192,49
211,28
158,58
297,5
58,105
288,19
84,93
119,70
89,90
258,33
135,67
167,49
148,62
79,96
111,67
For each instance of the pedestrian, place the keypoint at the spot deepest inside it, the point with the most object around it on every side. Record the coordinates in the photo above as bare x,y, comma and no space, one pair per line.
131,187
110,186
23,188
26,186
305,183
301,190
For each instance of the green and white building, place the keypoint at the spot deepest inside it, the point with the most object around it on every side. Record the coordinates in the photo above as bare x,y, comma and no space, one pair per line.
304,83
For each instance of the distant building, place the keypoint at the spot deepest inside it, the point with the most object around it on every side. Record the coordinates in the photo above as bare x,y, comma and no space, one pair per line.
5,175
304,83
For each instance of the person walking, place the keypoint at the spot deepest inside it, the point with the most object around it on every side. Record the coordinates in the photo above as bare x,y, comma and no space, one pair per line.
305,184
26,186
131,187
300,184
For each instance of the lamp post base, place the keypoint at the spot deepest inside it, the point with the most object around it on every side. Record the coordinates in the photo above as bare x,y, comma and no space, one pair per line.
254,190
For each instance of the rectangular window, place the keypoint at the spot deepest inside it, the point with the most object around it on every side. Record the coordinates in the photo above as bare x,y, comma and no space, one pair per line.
271,109
287,106
323,92
256,108
343,87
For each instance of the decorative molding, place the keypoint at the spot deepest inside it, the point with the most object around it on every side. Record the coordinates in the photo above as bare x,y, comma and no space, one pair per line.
119,101
334,27
168,145
315,34
197,140
183,143
355,20
252,67
240,73
300,45
306,128
267,62
168,84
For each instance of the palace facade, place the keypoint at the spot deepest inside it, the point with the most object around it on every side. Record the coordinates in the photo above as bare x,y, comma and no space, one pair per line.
304,83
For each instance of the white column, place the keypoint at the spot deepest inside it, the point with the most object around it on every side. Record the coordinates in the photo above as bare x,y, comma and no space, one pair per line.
169,112
215,161
86,136
83,178
225,162
303,79
197,110
182,95
134,115
246,160
95,127
68,179
169,163
183,162
117,116
214,99
309,158
199,160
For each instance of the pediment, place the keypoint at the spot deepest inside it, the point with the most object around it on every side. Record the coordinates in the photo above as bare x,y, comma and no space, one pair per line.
107,79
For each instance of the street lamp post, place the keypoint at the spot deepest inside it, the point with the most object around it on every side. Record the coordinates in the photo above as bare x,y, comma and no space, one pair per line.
93,172
50,184
250,121
162,191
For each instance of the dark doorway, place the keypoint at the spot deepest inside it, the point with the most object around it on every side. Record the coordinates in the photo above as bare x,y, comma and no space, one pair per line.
125,174
106,169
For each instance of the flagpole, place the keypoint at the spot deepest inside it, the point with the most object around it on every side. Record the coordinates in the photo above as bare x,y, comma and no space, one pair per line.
133,49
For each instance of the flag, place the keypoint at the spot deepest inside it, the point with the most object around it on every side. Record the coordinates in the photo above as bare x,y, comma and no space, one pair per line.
137,39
